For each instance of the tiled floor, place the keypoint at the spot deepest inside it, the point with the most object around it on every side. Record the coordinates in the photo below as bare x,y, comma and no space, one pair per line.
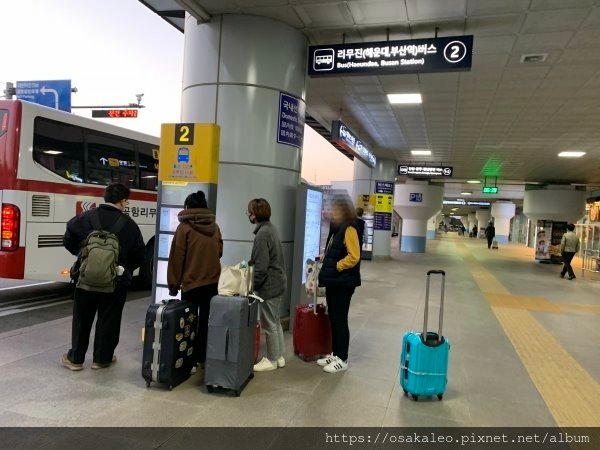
489,385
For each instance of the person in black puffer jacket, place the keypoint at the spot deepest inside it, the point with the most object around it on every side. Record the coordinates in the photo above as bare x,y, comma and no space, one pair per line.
340,275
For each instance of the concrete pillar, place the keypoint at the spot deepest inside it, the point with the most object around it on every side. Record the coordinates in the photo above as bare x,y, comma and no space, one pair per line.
361,181
416,213
502,212
385,170
234,69
432,225
472,221
483,218
559,203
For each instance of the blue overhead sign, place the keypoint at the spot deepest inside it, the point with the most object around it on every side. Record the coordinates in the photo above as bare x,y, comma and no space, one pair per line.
290,125
384,187
52,93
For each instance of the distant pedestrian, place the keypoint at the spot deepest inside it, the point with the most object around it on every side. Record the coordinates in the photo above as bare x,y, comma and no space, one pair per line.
194,263
475,231
569,246
490,233
360,227
102,275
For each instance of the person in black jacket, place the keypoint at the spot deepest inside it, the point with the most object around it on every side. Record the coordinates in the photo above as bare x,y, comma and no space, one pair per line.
109,306
490,233
360,227
340,275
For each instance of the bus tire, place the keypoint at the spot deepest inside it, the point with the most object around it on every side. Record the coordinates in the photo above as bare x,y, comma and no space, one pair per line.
147,269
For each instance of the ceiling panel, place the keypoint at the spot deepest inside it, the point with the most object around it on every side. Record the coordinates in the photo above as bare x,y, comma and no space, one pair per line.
549,21
434,9
325,15
378,11
560,4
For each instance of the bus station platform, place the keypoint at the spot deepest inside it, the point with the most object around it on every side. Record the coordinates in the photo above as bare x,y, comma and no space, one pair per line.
524,352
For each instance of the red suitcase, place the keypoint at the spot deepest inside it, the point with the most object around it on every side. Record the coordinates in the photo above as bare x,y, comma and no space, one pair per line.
312,332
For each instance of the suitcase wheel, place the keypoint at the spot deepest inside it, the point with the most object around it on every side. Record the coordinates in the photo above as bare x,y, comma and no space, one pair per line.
147,384
405,392
440,396
210,388
170,388
415,397
237,393
251,376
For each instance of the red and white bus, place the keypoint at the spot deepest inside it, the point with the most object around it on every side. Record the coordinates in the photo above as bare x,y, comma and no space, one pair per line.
54,165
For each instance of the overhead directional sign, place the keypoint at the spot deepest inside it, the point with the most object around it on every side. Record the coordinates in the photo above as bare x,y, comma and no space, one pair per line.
424,171
343,136
461,202
445,54
52,93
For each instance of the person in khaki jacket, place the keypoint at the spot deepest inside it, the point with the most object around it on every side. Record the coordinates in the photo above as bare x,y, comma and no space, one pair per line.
194,263
569,246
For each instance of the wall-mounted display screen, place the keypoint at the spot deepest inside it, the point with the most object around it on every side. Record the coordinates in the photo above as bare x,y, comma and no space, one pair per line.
164,245
312,227
168,219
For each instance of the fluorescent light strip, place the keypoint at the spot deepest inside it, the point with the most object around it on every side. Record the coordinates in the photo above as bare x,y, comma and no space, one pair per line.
571,154
420,152
405,99
473,181
52,152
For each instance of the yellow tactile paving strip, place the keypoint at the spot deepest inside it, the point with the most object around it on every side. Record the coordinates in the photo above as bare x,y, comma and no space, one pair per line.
571,394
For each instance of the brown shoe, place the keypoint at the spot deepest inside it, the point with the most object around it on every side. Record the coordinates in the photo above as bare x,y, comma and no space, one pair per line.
97,365
66,363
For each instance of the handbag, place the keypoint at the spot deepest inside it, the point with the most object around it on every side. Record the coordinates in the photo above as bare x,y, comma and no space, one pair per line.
233,280
312,278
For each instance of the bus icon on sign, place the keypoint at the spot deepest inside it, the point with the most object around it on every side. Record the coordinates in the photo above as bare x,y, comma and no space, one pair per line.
183,155
323,59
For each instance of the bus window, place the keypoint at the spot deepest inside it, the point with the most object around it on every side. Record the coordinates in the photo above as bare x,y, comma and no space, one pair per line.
59,148
148,166
110,160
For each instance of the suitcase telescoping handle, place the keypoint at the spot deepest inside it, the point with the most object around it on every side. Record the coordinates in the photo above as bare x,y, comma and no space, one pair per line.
316,287
429,273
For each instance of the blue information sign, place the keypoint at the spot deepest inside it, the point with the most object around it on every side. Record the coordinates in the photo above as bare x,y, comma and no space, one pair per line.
53,93
384,187
416,197
290,124
382,221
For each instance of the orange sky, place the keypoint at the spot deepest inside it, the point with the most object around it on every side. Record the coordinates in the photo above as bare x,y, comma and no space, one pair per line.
321,162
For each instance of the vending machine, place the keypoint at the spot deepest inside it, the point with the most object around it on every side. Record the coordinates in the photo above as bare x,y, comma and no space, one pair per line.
548,236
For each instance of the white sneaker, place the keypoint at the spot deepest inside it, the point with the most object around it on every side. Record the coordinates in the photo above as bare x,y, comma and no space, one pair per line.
265,366
193,371
281,362
326,361
336,366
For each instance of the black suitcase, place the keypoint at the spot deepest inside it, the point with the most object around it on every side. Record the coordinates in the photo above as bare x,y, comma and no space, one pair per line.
169,337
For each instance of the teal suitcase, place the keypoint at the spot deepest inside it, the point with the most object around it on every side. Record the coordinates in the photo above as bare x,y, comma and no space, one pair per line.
424,358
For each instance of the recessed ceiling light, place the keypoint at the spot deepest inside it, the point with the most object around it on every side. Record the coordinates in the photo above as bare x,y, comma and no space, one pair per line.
150,176
454,209
404,99
466,193
52,152
571,154
420,152
473,181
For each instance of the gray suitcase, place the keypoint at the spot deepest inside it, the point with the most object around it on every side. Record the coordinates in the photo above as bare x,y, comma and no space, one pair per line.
230,346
